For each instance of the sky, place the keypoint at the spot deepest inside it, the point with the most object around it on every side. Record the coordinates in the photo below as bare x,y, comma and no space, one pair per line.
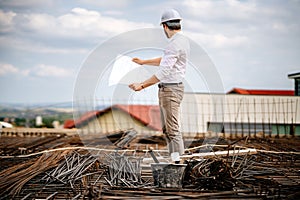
253,44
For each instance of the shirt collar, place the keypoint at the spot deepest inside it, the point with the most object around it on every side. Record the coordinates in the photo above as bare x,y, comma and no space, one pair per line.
175,35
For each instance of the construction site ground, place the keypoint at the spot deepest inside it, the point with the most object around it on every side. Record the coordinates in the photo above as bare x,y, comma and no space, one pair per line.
62,165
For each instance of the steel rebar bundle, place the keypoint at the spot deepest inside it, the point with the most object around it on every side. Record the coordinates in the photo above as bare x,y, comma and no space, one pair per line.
124,170
216,173
75,166
13,178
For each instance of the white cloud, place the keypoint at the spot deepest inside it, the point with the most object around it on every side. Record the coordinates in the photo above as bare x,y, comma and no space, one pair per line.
212,10
37,22
26,45
6,21
113,12
82,22
232,24
218,40
41,70
107,3
232,16
247,40
220,24
78,23
49,71
27,3
7,69
35,31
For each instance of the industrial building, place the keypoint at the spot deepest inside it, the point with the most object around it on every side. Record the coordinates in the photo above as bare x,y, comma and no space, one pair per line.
240,111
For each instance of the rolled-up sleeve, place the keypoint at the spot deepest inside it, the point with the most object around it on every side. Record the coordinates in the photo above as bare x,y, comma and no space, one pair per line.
167,62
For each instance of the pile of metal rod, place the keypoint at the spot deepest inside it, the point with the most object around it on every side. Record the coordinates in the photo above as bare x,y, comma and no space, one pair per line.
14,178
126,139
94,173
74,167
217,173
124,170
24,145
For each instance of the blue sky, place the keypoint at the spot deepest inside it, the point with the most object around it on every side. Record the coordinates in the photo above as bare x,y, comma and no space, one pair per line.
253,44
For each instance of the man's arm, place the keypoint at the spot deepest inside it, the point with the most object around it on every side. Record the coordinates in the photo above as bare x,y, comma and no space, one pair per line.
146,83
154,61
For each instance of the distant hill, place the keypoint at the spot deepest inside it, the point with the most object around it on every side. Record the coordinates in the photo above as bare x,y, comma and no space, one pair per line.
25,114
21,109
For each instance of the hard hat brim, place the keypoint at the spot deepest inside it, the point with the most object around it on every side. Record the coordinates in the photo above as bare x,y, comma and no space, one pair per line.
170,20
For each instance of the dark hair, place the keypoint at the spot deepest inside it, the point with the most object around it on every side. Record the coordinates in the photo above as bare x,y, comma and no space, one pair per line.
173,24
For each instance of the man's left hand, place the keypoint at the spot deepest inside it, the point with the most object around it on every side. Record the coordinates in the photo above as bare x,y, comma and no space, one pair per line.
136,86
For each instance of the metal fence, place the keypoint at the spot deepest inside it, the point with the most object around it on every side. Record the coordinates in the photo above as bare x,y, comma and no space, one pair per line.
200,113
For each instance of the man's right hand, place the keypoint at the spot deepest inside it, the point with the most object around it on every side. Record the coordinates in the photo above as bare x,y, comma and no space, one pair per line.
138,61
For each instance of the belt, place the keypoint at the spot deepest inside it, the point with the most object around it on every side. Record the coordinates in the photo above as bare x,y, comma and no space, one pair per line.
161,85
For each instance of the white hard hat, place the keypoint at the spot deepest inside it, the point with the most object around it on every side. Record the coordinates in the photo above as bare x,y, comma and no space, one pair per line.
168,15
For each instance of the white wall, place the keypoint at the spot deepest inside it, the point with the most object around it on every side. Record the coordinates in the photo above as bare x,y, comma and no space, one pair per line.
198,109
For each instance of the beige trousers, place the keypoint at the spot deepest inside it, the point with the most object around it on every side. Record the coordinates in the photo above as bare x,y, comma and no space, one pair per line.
170,97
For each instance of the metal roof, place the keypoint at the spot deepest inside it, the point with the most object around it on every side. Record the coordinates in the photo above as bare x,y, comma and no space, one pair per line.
294,75
149,115
261,92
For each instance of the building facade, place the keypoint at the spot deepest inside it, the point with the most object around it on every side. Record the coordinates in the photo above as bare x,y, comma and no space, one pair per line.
296,77
239,112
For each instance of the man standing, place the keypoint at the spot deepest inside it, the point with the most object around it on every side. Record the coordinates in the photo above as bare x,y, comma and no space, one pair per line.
170,74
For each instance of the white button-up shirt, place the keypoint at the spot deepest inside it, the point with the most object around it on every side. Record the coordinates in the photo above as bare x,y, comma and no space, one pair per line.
173,63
